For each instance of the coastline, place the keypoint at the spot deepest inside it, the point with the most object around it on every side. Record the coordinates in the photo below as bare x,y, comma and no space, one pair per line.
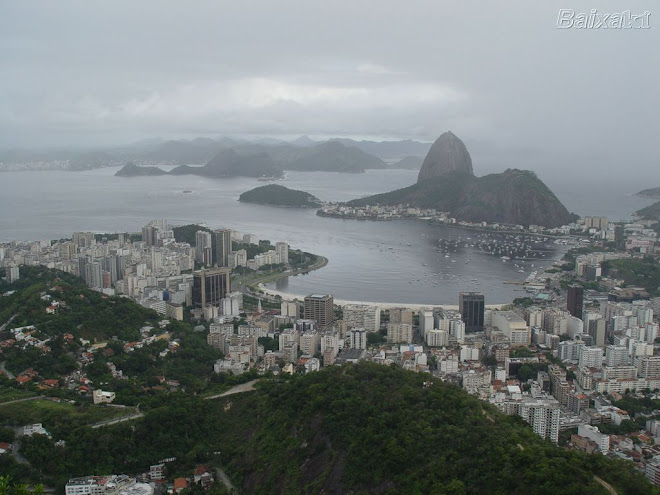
286,296
434,221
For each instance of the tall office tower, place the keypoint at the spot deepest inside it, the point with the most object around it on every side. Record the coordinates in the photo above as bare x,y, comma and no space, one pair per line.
203,243
93,274
282,249
121,261
109,264
472,306
210,286
82,262
319,307
574,300
222,246
149,235
597,330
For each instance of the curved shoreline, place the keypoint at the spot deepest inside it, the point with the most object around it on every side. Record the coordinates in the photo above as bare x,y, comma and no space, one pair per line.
320,263
286,296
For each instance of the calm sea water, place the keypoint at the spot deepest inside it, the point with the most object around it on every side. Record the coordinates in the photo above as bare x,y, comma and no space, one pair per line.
396,261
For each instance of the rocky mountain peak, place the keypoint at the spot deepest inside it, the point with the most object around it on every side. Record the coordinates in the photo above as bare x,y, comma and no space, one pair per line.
447,155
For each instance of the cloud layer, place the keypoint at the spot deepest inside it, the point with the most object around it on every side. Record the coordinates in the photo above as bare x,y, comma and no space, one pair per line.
91,73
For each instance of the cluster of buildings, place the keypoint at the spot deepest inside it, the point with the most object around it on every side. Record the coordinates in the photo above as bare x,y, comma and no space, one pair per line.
376,212
393,212
142,484
157,271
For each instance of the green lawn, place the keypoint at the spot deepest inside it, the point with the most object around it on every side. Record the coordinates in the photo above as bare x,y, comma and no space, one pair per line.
54,414
9,394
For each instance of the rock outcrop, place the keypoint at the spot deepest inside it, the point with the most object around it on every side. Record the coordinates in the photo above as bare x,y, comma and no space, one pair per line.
447,155
446,182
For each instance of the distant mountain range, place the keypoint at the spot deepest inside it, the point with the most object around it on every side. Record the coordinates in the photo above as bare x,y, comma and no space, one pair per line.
409,162
446,182
258,160
300,154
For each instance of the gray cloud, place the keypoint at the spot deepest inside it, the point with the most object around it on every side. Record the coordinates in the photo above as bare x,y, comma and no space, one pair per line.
506,80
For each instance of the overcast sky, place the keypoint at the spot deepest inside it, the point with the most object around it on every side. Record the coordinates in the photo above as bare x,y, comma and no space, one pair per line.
506,80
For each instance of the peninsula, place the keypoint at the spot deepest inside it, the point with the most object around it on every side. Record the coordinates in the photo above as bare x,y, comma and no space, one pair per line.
446,182
653,192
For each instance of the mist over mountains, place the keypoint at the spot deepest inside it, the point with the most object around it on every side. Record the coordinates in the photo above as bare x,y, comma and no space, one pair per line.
303,153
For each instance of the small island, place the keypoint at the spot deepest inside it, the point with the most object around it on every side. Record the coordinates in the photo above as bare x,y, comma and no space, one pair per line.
275,195
132,170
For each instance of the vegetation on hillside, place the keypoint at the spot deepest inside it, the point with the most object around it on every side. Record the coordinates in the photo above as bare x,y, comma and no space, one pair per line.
362,428
276,195
651,212
638,272
653,192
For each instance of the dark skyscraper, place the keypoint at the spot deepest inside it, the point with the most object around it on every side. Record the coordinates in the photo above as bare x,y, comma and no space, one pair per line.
210,286
472,306
574,300
319,307
222,246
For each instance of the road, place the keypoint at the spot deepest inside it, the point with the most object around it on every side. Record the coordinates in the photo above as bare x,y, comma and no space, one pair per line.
8,322
607,486
109,422
253,289
243,387
22,400
222,476
4,370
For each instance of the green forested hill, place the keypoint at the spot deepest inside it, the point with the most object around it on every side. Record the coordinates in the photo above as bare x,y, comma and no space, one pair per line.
276,195
373,429
85,313
651,212
356,429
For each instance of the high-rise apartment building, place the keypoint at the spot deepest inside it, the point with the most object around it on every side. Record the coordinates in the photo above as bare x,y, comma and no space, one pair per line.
543,416
616,355
362,316
13,274
596,329
590,357
282,249
399,332
222,247
83,239
471,305
210,286
357,338
319,307
203,247
574,300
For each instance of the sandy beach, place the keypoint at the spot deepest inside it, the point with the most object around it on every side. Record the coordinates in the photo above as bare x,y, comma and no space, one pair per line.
383,305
